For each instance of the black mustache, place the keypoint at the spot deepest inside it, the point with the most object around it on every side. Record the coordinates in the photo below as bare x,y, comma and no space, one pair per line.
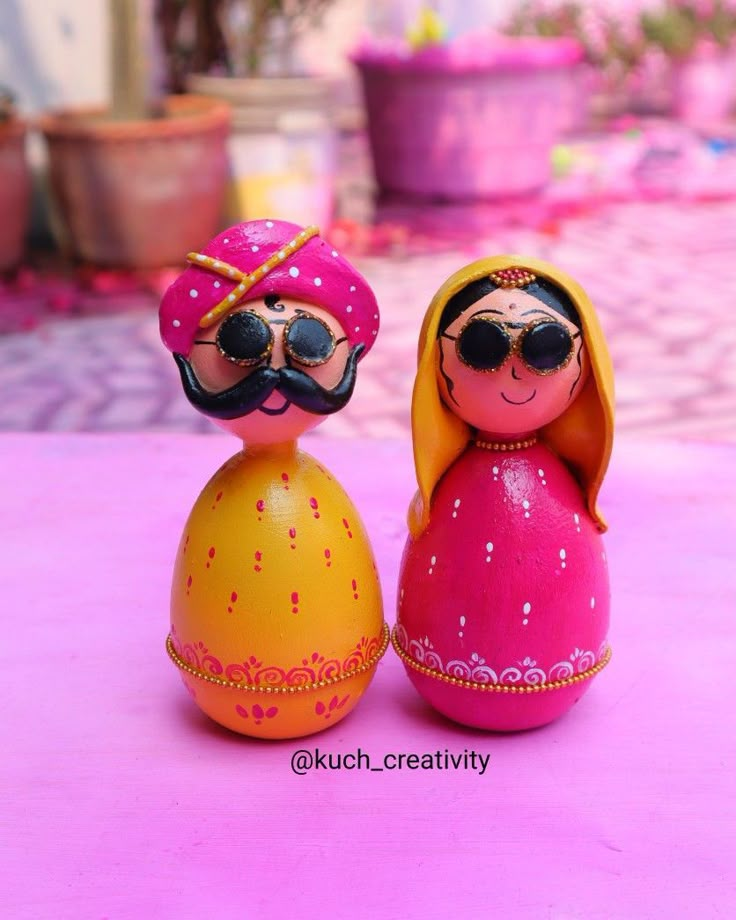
250,393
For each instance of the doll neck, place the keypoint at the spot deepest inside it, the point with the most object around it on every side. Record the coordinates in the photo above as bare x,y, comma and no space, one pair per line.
279,449
492,440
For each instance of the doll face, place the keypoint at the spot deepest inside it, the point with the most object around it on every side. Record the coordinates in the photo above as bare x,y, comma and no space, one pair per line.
237,363
510,364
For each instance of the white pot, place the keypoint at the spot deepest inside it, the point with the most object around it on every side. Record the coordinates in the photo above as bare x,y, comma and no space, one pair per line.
282,147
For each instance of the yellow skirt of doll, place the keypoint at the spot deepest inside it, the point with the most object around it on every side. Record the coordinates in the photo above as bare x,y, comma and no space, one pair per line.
276,614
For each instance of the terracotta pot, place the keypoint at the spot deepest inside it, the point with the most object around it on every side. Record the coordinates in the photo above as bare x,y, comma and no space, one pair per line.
139,194
15,193
282,147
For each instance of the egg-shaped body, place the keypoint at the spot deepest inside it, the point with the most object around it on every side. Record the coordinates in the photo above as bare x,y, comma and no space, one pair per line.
503,602
276,612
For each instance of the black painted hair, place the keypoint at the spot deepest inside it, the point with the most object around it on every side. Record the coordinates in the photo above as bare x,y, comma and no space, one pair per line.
541,289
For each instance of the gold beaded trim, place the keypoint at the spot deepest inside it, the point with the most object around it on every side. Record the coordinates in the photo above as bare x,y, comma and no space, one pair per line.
246,279
258,688
499,688
506,445
512,277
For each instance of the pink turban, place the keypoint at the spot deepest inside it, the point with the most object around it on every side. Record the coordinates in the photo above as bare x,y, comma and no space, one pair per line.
315,273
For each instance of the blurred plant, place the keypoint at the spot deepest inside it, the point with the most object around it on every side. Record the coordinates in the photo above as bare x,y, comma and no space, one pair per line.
191,37
243,38
678,26
7,104
429,29
134,95
559,20
261,34
611,42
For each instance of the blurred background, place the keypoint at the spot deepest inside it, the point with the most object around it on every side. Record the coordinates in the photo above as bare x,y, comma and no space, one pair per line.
418,135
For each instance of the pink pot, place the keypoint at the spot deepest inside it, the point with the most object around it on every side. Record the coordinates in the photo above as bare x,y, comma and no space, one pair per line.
703,85
476,120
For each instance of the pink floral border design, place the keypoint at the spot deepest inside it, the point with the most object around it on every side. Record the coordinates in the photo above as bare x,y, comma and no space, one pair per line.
314,667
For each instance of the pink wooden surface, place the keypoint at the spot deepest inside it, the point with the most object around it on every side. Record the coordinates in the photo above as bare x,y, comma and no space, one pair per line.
120,800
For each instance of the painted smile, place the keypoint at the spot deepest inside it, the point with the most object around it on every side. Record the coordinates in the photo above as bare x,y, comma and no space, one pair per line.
521,403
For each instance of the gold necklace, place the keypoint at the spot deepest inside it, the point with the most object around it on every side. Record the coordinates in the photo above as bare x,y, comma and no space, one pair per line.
506,445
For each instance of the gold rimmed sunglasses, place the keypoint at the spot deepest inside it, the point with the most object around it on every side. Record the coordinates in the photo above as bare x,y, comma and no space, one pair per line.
246,339
485,345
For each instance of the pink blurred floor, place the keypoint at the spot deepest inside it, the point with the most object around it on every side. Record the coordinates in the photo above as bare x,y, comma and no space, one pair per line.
661,275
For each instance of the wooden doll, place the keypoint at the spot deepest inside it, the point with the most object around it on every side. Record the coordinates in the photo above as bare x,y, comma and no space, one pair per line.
276,614
503,601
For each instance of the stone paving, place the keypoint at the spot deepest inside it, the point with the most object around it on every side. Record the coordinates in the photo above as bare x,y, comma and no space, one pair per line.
661,274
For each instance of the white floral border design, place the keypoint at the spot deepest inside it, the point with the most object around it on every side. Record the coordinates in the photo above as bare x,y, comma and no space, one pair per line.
475,669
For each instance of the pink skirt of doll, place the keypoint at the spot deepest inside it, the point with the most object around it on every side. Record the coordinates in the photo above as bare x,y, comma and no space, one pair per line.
503,601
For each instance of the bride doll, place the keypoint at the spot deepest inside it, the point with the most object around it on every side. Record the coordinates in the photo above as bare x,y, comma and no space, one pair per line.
503,601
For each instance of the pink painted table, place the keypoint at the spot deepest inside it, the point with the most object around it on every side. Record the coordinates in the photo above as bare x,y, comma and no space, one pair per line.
120,800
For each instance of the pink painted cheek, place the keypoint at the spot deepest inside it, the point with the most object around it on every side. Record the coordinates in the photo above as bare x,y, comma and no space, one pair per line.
329,374
213,371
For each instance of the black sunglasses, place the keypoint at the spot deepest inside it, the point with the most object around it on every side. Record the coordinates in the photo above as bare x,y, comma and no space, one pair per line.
543,345
246,339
